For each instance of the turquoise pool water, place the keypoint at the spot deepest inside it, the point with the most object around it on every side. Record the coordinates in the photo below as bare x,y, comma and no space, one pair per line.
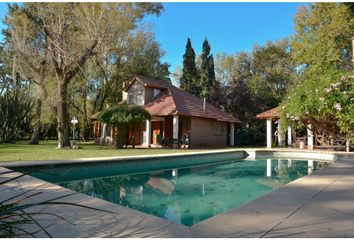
185,195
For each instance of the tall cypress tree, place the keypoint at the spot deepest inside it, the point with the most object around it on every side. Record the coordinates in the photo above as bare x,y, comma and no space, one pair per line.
207,80
214,85
188,81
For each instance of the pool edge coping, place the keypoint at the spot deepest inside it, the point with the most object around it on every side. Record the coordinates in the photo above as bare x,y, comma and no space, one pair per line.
26,163
336,155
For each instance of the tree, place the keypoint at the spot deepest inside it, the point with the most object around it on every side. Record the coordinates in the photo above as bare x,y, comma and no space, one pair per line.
207,80
323,95
101,82
124,118
325,103
322,39
28,54
189,79
254,82
272,72
140,56
15,103
75,32
234,72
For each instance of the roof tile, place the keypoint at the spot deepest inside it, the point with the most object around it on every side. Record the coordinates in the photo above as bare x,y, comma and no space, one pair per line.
271,113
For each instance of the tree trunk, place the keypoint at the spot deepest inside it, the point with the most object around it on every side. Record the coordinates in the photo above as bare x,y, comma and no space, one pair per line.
86,124
63,116
37,122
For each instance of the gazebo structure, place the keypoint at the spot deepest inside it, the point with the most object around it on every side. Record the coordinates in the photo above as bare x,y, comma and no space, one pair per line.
274,115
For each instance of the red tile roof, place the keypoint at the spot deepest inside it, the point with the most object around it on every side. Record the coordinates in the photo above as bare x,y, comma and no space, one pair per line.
174,101
148,82
271,113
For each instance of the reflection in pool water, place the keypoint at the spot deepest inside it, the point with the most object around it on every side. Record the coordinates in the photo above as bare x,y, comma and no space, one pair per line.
190,195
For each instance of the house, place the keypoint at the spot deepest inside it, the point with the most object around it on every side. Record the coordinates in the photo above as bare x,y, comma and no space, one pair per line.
176,115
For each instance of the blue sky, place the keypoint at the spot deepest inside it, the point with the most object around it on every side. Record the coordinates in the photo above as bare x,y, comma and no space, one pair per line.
229,27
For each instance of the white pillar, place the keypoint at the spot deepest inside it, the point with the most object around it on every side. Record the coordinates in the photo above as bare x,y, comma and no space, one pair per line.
269,133
175,172
232,134
203,188
280,135
175,126
309,137
290,140
289,163
103,134
148,133
309,166
103,130
269,167
347,145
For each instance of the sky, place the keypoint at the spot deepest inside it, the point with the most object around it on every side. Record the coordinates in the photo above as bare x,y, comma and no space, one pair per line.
229,27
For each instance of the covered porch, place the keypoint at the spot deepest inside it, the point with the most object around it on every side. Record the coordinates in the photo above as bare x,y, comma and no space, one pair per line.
172,131
157,132
273,116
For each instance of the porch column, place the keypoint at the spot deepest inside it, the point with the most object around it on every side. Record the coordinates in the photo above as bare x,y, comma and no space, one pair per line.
175,172
290,140
148,133
269,167
269,133
103,130
289,163
175,126
232,134
309,137
309,167
280,135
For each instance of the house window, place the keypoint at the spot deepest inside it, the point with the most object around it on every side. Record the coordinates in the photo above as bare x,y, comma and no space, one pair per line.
136,94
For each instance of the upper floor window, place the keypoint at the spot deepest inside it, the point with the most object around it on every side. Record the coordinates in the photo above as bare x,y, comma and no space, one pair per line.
136,94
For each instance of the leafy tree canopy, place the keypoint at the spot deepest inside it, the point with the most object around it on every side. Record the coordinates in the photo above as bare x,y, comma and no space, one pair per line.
323,95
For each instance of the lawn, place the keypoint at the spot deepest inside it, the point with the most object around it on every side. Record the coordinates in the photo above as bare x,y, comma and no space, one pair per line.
47,151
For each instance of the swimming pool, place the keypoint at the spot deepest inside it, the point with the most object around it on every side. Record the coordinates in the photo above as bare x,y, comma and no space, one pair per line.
184,192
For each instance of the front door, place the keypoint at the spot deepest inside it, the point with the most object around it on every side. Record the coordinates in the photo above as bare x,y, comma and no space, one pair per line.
156,132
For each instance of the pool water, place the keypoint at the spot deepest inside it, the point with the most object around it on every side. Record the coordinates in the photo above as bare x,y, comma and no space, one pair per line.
190,195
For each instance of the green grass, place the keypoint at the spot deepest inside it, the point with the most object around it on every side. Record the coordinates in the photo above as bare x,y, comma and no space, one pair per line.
46,150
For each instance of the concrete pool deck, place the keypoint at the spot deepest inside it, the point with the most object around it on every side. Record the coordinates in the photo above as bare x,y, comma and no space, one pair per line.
318,205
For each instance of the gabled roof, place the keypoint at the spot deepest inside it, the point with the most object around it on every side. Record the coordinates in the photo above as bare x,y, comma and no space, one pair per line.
173,101
148,82
271,113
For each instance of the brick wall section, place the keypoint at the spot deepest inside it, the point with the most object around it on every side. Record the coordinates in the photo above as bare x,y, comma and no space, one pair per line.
203,133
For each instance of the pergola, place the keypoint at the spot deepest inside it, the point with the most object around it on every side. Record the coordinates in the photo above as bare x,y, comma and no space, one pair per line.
274,115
